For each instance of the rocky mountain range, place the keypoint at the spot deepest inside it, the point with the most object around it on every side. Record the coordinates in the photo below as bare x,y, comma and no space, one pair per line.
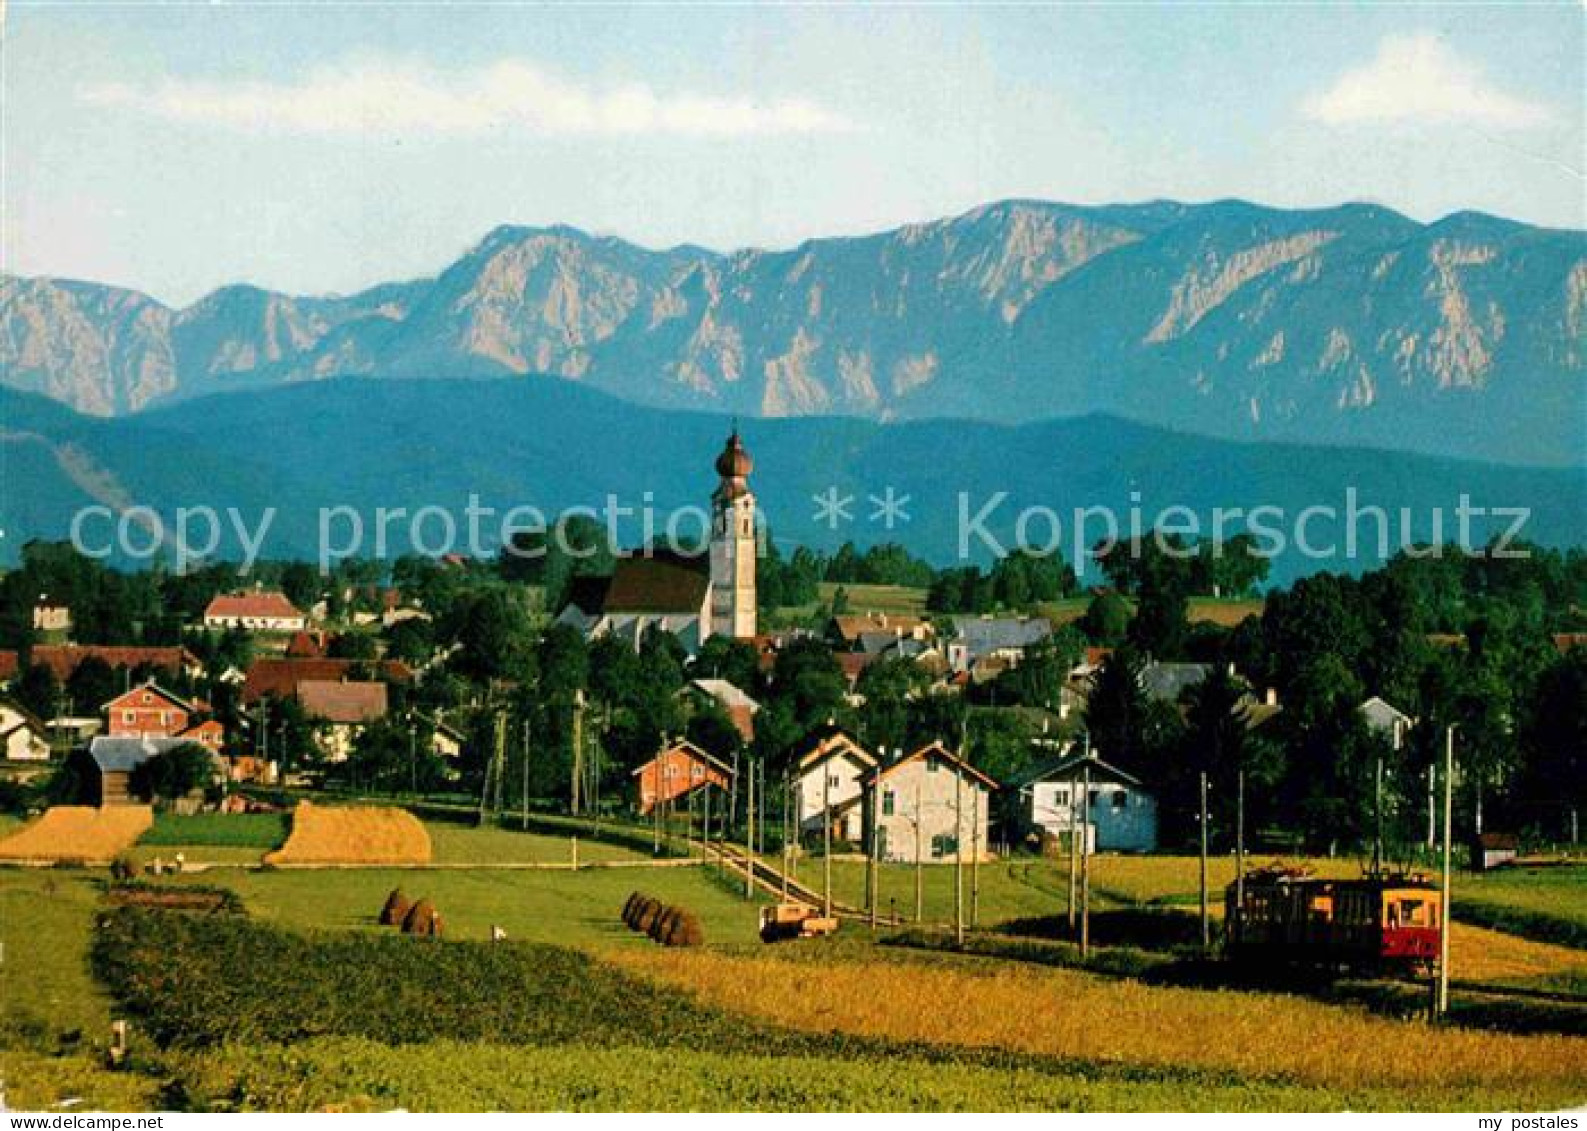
1354,324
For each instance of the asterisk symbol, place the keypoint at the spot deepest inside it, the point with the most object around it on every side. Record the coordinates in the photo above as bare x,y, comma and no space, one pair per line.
889,508
833,508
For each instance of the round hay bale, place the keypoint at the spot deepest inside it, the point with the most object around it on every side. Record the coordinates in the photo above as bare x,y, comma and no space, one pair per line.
396,909
645,914
628,908
422,919
661,926
685,930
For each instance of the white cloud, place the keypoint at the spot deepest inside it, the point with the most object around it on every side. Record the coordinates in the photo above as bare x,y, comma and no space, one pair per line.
387,96
1416,78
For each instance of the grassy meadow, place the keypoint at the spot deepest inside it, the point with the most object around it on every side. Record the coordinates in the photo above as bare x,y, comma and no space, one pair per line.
576,1012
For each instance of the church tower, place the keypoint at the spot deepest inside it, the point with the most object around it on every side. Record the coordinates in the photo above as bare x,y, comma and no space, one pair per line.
733,544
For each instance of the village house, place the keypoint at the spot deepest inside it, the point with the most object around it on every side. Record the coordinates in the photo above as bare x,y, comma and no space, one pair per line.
446,741
341,709
63,659
50,619
691,596
150,711
1122,814
679,770
263,611
1166,682
23,735
829,783
978,640
1383,717
859,632
280,676
739,707
930,804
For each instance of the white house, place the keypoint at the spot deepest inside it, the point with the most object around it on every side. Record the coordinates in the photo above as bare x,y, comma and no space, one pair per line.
928,804
829,781
1122,815
256,612
1385,718
23,735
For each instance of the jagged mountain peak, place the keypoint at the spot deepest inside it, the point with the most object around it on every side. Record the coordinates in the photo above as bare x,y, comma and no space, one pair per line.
1344,323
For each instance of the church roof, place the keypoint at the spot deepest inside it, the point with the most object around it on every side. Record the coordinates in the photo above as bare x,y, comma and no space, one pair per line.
662,582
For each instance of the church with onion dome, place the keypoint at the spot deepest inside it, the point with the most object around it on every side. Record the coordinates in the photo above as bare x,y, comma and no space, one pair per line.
691,596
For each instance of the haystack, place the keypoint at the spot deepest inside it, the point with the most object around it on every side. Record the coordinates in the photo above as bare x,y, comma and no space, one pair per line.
661,925
685,929
422,919
395,912
648,911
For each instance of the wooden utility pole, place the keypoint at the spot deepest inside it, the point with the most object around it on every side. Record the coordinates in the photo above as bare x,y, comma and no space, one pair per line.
920,875
1085,863
1074,853
1206,922
1442,1006
975,859
705,837
826,842
874,862
577,784
958,857
787,833
525,813
1239,855
749,835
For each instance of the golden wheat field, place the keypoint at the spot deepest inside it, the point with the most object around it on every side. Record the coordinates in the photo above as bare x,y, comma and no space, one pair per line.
78,832
1477,954
353,834
1072,1014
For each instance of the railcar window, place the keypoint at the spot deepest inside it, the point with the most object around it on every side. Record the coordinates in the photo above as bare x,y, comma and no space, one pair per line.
1412,912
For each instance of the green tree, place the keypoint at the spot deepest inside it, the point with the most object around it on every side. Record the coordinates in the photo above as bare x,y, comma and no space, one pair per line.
1107,619
176,773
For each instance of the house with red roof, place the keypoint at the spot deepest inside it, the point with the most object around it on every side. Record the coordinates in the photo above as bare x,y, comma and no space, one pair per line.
341,709
62,659
150,711
261,611
679,770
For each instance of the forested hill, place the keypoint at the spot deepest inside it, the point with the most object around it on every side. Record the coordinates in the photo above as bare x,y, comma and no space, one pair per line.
411,444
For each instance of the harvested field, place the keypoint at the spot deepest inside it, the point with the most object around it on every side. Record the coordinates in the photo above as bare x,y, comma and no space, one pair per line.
78,832
1110,1021
370,834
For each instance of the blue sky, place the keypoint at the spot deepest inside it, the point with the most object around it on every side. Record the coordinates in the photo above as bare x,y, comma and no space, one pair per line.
316,148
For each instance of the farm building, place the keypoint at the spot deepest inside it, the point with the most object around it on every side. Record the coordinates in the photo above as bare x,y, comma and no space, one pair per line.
1123,813
113,761
931,803
255,612
23,735
829,782
678,771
